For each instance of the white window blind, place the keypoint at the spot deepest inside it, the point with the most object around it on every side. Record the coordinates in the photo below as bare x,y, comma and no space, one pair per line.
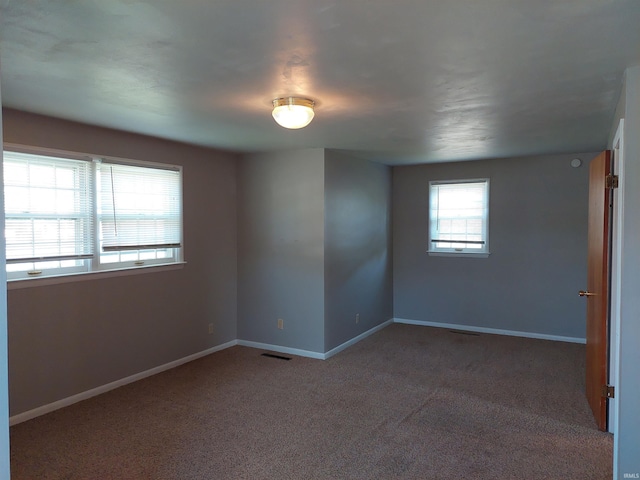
139,207
48,208
458,216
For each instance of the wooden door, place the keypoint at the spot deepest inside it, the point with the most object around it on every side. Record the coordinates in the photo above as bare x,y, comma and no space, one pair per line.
597,293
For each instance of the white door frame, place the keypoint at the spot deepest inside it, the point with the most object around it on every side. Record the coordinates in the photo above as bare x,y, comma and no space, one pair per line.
616,268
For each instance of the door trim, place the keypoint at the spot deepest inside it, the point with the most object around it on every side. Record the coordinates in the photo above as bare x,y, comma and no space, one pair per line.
616,271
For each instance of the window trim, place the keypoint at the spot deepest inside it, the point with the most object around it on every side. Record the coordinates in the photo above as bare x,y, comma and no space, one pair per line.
20,283
93,268
451,252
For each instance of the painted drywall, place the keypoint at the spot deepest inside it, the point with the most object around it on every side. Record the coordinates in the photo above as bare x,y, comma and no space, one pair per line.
281,249
537,240
4,369
619,112
357,246
627,438
68,338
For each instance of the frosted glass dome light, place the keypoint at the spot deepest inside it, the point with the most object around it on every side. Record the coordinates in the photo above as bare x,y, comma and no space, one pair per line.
293,112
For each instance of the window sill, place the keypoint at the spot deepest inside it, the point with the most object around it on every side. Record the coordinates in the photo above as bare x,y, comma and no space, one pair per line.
458,254
97,275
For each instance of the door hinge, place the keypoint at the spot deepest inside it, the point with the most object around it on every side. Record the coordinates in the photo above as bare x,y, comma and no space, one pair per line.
612,181
608,391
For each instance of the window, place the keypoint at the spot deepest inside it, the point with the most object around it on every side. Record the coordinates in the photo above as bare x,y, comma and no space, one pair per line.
139,214
459,217
67,215
48,214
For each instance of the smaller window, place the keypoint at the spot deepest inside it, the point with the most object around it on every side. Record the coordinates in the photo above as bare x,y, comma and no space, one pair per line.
459,217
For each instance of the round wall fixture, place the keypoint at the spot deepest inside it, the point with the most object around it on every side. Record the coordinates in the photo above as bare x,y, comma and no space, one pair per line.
576,162
293,112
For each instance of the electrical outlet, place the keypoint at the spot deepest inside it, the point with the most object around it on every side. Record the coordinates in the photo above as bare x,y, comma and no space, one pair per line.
280,323
357,317
210,328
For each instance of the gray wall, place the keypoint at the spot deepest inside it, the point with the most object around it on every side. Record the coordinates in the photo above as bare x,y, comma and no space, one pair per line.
620,110
537,235
627,438
358,273
68,338
4,372
281,249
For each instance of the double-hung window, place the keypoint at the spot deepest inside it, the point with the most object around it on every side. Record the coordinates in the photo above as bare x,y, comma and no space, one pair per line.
139,213
68,214
459,217
48,214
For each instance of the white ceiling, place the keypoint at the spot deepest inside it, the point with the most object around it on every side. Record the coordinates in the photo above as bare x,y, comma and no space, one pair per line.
409,81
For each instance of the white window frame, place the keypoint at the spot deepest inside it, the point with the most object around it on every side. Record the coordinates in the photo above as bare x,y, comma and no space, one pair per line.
172,252
91,266
462,249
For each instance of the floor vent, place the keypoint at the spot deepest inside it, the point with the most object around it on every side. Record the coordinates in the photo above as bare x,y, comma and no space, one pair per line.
279,357
460,332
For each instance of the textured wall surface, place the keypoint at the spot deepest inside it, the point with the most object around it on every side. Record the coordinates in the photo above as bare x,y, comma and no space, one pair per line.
67,338
358,267
281,249
537,240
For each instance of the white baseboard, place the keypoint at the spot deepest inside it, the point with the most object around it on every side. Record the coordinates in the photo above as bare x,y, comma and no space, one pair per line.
65,402
310,354
281,349
495,331
355,340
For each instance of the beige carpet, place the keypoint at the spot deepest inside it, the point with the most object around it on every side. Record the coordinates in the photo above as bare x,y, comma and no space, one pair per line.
408,403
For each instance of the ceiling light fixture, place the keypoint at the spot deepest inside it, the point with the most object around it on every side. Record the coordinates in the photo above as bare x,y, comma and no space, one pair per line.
293,112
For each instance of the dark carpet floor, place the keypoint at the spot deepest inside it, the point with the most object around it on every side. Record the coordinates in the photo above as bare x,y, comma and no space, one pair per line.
406,403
